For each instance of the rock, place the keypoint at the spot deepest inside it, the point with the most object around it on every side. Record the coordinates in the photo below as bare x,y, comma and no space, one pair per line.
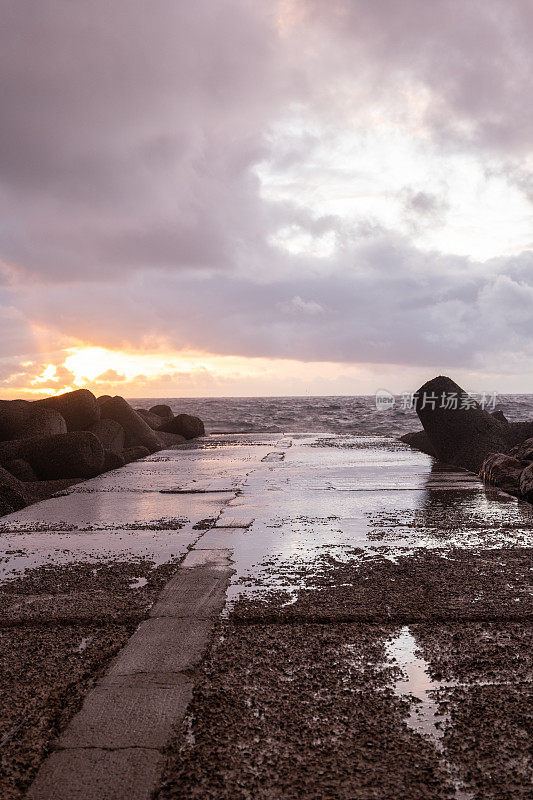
103,398
13,494
526,483
500,415
134,453
419,440
20,419
137,431
13,414
504,471
42,490
112,460
464,435
79,408
43,422
170,439
110,433
523,451
186,425
162,411
153,420
78,454
21,469
518,432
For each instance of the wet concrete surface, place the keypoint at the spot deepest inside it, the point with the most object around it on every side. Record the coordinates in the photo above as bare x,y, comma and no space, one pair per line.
375,640
79,573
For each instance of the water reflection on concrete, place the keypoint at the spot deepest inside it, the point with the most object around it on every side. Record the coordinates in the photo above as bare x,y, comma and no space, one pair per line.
424,716
416,682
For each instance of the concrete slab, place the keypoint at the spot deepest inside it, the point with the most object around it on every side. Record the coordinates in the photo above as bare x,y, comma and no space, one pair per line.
228,521
130,774
25,551
195,592
219,538
162,645
216,559
113,510
144,711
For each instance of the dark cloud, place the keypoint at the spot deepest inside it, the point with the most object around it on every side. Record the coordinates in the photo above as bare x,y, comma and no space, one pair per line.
132,209
385,302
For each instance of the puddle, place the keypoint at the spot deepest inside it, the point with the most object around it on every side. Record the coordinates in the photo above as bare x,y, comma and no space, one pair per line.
138,583
416,682
423,717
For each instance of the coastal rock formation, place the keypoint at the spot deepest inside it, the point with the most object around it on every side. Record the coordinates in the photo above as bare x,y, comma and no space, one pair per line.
79,409
460,431
504,471
153,420
48,444
500,416
186,425
21,469
20,419
134,453
112,460
419,441
518,432
137,431
110,433
13,414
524,450
13,494
162,411
526,483
170,439
78,454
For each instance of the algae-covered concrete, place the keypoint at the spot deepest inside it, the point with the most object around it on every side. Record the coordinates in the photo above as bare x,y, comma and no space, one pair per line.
311,616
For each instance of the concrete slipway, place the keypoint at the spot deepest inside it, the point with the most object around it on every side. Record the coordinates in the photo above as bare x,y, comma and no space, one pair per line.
305,616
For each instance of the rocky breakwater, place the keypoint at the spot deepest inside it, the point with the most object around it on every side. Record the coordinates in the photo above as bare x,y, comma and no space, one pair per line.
47,445
458,431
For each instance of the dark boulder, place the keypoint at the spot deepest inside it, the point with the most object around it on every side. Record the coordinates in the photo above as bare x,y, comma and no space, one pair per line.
518,432
21,469
419,441
134,453
524,450
14,495
137,431
78,454
153,420
110,433
20,419
13,415
162,411
500,415
526,483
170,439
79,408
43,422
186,425
112,460
504,471
460,431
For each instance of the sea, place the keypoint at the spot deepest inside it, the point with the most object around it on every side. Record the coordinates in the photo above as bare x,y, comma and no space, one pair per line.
357,415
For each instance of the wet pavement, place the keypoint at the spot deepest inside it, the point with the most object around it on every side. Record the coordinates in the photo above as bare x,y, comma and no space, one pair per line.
375,640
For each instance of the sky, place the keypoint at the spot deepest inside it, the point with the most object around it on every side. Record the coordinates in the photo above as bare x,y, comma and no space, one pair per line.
239,197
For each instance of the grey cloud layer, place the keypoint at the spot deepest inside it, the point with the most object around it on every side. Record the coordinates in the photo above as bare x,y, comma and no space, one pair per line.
130,206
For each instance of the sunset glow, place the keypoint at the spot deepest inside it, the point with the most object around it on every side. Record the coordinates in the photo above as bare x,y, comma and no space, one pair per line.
356,213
